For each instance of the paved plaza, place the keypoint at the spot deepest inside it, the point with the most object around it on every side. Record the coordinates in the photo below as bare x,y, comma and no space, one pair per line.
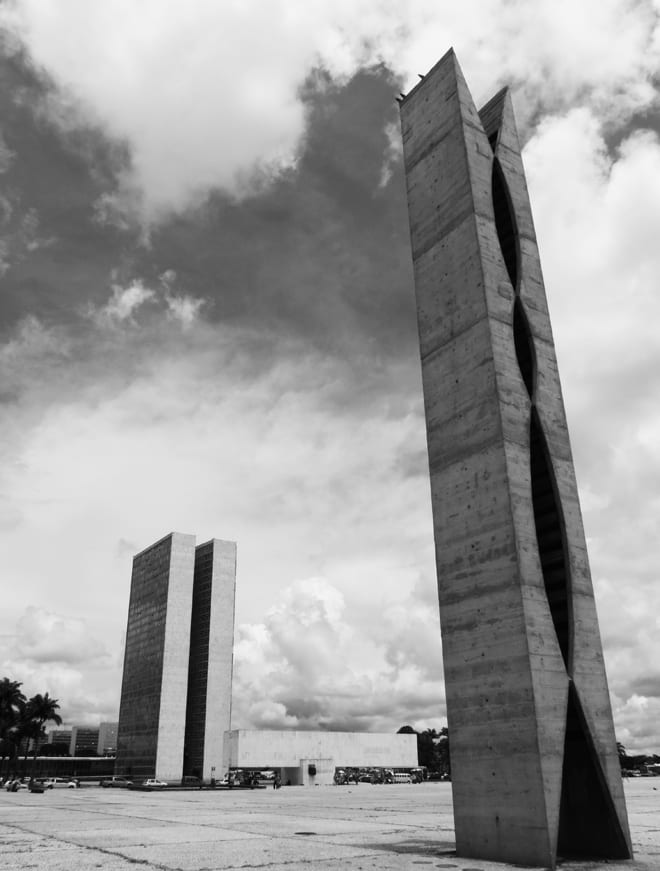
402,826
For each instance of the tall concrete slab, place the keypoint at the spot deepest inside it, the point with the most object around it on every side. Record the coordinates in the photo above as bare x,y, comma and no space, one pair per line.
208,712
534,764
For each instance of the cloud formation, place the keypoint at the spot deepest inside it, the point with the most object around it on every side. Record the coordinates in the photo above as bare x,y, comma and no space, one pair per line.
317,662
210,93
61,655
46,637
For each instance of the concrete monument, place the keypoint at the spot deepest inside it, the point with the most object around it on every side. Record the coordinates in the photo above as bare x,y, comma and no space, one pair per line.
534,761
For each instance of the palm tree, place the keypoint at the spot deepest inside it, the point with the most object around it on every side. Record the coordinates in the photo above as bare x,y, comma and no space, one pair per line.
12,702
27,736
41,710
11,699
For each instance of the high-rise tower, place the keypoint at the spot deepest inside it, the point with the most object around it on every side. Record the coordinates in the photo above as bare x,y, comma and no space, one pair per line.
176,687
208,710
535,772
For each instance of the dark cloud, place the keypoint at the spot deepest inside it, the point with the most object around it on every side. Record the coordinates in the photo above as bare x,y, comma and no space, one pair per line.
647,685
58,256
323,251
320,256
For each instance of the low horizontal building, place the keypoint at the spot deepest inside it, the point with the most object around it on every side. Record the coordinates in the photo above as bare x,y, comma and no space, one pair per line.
311,758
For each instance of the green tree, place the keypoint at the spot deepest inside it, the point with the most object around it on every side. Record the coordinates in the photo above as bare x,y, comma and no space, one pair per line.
41,710
432,748
426,748
27,735
442,749
12,702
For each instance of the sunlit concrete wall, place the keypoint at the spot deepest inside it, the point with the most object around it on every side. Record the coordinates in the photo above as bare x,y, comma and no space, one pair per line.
208,715
534,766
296,750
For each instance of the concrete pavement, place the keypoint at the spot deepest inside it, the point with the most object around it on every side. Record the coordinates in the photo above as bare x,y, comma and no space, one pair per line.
401,826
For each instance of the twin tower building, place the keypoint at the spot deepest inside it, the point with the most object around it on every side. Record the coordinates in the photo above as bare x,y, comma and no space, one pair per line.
176,687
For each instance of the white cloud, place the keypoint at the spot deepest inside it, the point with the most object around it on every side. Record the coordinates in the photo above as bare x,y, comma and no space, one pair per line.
393,153
46,637
595,212
208,91
322,660
165,303
61,655
124,303
184,309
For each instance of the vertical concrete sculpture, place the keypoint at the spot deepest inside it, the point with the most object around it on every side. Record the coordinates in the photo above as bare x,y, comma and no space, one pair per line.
534,763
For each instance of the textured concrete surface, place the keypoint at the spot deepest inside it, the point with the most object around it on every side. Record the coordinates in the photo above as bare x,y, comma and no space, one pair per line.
384,827
533,747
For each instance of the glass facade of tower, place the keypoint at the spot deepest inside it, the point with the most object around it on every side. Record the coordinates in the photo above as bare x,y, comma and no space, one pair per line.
143,662
198,671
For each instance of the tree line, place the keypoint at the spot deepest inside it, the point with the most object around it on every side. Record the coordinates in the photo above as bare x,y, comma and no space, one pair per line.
22,725
432,749
433,752
636,763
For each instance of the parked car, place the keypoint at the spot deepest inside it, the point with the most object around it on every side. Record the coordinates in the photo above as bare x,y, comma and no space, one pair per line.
57,782
15,784
153,783
117,782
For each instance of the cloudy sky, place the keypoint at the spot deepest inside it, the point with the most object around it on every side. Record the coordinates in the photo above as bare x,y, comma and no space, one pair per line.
208,325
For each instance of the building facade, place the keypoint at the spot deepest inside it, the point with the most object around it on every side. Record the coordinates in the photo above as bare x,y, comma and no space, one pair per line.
61,737
84,741
107,743
535,773
208,710
310,758
166,696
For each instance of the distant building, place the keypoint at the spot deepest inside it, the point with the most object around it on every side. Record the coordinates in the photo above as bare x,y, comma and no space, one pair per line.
107,743
179,645
310,758
61,736
84,741
175,710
